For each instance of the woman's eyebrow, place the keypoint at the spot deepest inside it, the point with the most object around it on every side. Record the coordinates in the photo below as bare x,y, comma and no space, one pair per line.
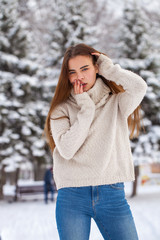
84,66
80,68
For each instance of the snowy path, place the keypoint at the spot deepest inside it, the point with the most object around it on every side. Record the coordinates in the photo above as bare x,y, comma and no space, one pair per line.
31,220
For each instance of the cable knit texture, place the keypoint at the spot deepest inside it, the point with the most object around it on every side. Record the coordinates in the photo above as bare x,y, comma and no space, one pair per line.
92,142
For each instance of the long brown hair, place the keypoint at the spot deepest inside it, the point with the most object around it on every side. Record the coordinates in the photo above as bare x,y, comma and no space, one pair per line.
63,90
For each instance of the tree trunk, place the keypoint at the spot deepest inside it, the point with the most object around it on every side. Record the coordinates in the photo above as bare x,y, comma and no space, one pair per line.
16,183
134,190
2,181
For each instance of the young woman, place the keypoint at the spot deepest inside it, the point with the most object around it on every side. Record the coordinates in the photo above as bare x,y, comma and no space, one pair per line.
94,103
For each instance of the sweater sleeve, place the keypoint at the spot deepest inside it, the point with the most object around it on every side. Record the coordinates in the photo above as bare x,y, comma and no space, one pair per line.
135,87
69,138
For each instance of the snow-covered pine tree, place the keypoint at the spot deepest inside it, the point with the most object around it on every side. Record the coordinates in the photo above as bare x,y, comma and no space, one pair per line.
136,54
134,41
71,25
22,114
12,35
22,99
14,42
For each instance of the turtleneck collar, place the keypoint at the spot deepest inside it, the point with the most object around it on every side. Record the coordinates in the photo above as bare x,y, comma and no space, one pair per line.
98,91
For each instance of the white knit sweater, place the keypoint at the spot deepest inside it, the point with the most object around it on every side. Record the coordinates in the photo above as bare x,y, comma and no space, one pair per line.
92,144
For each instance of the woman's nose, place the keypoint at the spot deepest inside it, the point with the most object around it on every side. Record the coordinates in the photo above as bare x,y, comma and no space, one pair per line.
80,76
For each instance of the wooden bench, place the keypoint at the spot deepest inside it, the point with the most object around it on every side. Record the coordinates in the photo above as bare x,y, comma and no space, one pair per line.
35,187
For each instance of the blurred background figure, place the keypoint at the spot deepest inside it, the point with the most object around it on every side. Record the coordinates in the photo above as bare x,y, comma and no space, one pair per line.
48,185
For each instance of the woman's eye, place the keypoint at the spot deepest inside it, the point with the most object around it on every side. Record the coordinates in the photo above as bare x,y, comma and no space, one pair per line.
71,73
84,69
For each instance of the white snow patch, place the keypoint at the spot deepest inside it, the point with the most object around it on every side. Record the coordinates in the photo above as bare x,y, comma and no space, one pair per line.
26,131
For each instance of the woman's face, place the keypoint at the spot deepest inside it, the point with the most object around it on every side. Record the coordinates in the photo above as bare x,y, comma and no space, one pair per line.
81,68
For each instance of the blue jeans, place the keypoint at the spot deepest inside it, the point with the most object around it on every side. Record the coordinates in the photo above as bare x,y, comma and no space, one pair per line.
106,204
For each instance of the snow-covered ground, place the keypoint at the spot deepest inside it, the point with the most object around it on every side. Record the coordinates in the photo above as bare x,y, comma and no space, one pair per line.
31,219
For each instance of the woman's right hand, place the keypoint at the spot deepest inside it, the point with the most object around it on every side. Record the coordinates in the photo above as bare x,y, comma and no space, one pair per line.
96,54
78,87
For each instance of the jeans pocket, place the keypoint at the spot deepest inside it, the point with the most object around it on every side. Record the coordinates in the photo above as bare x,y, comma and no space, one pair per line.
118,186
